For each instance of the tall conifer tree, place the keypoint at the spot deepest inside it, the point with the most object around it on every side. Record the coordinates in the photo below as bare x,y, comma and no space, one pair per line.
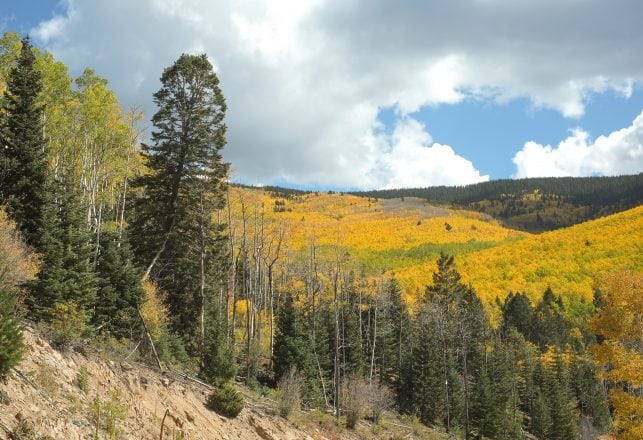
23,159
66,272
174,233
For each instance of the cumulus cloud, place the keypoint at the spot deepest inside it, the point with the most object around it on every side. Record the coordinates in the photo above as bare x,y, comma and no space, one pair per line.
620,152
412,160
304,80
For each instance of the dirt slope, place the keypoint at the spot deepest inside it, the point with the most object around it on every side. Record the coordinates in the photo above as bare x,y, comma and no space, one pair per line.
43,392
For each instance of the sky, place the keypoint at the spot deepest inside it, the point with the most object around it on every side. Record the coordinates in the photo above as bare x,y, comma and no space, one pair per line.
363,94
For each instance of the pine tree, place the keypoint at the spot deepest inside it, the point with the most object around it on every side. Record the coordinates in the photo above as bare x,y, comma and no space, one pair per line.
174,233
218,355
561,402
23,159
119,288
517,312
66,273
11,344
353,352
393,334
425,388
590,394
291,345
549,324
541,424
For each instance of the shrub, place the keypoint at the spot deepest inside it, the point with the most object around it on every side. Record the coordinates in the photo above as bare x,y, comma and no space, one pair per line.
226,401
380,399
11,345
68,324
107,413
4,398
289,392
47,378
23,431
82,379
355,392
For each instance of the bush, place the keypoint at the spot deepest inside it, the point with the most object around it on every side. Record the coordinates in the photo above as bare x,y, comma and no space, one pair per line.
68,324
11,345
226,401
289,392
82,379
23,431
107,413
355,391
380,399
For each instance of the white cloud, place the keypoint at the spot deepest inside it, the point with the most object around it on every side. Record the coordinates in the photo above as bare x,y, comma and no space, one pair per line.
304,80
414,160
620,152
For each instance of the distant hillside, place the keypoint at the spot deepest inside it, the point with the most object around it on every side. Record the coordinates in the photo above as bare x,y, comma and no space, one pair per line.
405,236
534,205
378,235
570,260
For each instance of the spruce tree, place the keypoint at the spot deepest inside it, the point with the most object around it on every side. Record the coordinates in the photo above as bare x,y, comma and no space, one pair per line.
393,335
291,345
425,388
175,236
549,324
218,355
23,158
590,393
66,272
119,288
562,403
541,423
11,344
517,313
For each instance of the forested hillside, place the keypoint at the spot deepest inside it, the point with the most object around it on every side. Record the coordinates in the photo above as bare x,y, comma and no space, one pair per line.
353,306
570,260
537,204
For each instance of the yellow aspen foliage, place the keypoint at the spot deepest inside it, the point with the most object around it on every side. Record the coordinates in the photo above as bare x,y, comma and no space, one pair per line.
17,263
620,323
154,311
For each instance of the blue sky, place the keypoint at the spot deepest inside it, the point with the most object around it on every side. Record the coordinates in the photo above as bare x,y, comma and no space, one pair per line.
374,94
489,133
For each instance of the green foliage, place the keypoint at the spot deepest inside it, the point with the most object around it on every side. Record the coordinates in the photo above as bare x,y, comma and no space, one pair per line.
11,343
82,379
217,362
173,222
109,412
23,177
291,348
225,400
535,204
541,424
517,313
549,324
170,348
119,288
66,273
68,324
393,334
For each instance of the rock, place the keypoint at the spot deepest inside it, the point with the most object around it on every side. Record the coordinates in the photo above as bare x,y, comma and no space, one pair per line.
189,416
126,367
4,398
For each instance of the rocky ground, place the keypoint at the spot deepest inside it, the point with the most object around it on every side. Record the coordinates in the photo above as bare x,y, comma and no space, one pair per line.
73,395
